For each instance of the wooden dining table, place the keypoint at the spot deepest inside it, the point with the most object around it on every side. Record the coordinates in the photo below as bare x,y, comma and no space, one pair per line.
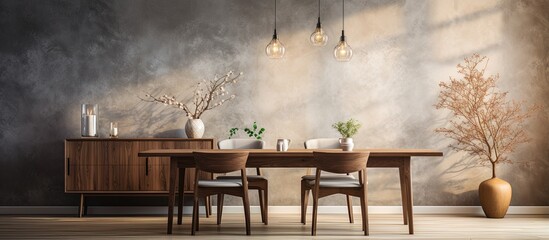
296,158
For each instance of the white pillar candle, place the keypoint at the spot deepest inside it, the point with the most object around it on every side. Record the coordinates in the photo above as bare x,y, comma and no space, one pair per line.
91,122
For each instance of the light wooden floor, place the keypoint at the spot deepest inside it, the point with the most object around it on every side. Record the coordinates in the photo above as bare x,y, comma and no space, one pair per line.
281,226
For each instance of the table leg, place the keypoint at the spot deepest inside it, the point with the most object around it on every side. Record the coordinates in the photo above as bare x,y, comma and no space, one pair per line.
181,196
409,194
403,194
171,196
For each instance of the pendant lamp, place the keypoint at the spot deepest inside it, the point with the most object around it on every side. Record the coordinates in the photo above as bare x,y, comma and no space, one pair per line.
319,37
342,51
275,49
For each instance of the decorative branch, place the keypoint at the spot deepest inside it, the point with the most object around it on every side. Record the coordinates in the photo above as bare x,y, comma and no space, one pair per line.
484,123
207,95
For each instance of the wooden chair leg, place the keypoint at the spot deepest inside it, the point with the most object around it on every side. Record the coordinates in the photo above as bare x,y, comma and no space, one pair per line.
306,205
315,213
266,204
206,209
261,205
181,196
350,209
210,204
194,225
197,215
219,207
246,203
180,209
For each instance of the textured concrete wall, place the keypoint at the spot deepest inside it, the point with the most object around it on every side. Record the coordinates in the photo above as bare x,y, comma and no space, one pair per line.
56,55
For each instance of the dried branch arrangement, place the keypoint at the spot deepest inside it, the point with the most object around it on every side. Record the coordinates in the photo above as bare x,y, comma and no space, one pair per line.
207,95
484,124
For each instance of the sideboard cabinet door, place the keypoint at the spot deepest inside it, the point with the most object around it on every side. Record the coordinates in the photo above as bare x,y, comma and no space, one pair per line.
153,171
123,167
112,165
83,167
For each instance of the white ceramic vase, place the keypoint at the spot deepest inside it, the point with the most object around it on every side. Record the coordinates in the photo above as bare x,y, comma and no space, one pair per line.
346,144
194,128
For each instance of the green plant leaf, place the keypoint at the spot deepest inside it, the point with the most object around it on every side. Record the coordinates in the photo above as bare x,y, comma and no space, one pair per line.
251,132
347,129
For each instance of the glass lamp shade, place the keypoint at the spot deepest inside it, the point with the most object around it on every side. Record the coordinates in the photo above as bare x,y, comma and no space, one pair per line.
342,51
319,37
275,49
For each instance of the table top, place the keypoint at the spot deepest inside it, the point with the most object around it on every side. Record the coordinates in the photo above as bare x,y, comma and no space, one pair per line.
137,139
389,152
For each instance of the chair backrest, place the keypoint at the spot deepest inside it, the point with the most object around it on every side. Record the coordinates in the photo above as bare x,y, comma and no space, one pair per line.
220,161
341,162
322,143
241,143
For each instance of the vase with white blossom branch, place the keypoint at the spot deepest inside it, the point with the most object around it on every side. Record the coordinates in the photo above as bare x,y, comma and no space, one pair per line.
208,94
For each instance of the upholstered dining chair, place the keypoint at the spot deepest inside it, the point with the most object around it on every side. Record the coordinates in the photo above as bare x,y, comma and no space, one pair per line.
341,163
256,182
221,162
322,143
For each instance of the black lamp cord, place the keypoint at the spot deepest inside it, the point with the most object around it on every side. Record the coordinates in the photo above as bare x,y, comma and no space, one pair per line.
274,35
319,9
343,29
318,23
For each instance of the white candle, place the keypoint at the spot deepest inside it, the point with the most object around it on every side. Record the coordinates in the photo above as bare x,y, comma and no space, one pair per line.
114,129
91,123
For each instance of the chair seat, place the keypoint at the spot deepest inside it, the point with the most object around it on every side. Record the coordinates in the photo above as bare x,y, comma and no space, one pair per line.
346,183
250,177
217,183
329,177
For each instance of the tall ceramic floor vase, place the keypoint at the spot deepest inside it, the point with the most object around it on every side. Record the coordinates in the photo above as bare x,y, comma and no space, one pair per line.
194,128
495,197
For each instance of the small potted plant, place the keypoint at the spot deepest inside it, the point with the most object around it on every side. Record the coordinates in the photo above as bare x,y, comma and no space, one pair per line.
347,130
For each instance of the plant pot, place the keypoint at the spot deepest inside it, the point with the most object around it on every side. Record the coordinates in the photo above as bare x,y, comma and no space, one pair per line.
194,128
495,197
346,144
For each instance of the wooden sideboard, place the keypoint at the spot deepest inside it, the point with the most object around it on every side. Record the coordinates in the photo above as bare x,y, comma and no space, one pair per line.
111,166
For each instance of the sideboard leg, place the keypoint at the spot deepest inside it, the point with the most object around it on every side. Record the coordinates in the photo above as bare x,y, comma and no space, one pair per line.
81,206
